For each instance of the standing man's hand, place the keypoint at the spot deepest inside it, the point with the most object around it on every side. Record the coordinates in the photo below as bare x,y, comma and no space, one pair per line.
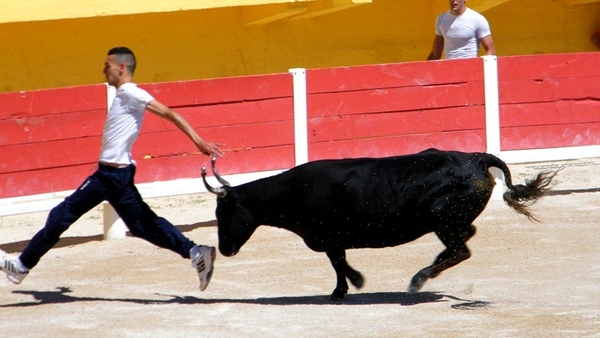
488,44
595,39
437,49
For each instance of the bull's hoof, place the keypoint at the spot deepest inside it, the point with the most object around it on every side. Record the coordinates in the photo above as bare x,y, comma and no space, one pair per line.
357,280
338,295
416,283
414,288
335,298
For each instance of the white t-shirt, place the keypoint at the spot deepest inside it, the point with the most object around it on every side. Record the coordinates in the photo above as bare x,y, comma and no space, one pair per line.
461,33
123,123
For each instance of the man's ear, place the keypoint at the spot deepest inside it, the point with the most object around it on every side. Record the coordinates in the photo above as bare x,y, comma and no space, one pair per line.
122,68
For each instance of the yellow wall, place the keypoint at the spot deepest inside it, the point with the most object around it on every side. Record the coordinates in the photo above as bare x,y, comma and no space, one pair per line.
22,11
215,42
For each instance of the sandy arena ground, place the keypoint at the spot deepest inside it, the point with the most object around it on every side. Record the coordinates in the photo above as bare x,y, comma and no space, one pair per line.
524,280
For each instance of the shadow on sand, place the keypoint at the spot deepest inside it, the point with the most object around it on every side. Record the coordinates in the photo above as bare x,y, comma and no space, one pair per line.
70,241
61,296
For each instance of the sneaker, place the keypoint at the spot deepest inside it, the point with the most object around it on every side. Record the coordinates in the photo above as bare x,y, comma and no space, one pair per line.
13,269
203,258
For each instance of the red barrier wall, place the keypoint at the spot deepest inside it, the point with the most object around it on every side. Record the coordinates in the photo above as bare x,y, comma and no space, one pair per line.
50,139
393,109
549,101
253,116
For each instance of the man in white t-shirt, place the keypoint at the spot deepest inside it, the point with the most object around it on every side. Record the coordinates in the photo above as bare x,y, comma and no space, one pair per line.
459,32
113,181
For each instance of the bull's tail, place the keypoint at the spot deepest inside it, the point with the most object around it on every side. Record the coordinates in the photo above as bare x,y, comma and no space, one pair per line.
519,197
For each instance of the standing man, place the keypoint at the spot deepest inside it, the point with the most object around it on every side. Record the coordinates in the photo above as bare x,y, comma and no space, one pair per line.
113,181
458,33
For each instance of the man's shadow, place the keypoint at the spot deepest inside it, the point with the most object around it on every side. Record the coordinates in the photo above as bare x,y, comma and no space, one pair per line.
70,241
61,296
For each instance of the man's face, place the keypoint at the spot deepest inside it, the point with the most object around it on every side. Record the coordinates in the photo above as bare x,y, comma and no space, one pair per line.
457,6
112,70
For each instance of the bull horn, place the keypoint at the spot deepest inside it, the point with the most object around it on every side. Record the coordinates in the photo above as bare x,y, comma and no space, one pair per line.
219,178
220,192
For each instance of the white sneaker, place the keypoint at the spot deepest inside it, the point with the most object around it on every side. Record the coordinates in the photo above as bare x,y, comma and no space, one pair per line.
12,267
203,258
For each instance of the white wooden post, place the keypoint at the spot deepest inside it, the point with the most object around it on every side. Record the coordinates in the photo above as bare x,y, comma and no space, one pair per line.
300,115
492,118
114,228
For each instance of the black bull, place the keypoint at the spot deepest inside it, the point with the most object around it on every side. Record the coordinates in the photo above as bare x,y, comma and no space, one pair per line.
336,205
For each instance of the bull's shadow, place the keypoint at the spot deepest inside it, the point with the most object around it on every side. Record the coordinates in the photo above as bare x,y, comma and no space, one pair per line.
61,296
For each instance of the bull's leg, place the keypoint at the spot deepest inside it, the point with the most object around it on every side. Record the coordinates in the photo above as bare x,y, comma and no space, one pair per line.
355,277
450,259
343,270
456,252
446,254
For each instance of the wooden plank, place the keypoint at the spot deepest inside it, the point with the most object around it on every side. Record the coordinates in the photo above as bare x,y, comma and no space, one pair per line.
242,161
221,90
346,127
34,182
406,74
44,128
257,159
549,113
174,142
472,140
60,153
520,138
549,90
218,115
69,152
396,99
149,170
62,178
548,66
52,101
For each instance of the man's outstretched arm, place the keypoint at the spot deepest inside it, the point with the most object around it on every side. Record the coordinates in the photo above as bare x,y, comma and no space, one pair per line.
207,148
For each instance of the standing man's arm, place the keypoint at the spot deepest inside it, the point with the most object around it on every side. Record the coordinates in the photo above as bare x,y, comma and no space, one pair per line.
488,45
207,148
595,39
438,47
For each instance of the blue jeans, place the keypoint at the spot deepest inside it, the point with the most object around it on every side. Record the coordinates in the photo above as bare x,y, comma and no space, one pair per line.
115,185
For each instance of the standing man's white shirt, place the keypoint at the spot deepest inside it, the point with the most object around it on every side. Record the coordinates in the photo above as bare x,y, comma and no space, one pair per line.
461,33
123,123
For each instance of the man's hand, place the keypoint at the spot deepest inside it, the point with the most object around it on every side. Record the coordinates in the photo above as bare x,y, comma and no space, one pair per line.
209,148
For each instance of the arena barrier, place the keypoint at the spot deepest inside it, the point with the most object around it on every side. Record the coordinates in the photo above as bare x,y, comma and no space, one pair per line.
522,108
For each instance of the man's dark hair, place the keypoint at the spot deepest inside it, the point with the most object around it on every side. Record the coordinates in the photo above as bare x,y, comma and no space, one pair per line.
124,55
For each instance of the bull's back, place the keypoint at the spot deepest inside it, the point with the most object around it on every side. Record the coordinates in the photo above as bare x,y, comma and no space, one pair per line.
374,185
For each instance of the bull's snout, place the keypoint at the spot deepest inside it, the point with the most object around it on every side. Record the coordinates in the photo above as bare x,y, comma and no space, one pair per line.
228,250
